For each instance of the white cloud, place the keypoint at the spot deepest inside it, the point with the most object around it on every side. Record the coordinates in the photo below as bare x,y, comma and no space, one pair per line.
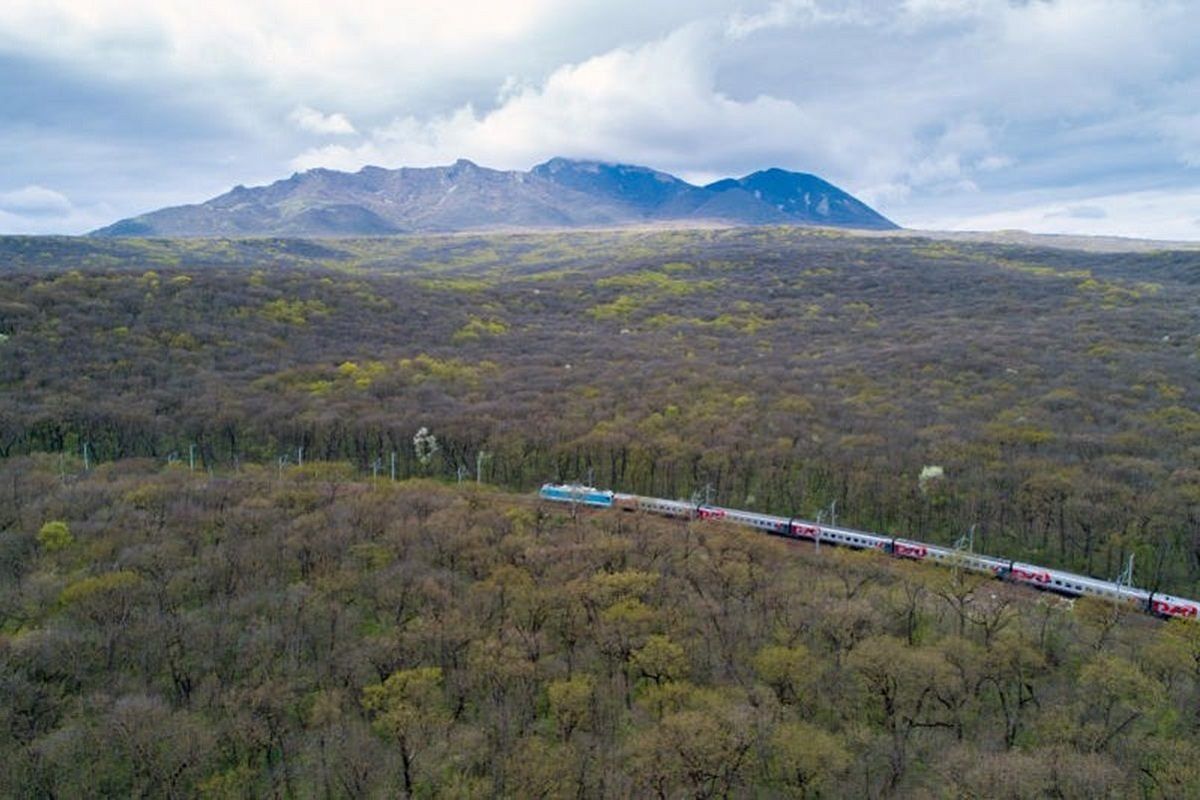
656,104
943,9
885,195
35,201
929,107
1166,215
312,121
778,14
38,210
1079,212
993,163
1182,131
375,57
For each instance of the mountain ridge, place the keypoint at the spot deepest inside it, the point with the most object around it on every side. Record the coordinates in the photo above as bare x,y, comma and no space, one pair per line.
463,196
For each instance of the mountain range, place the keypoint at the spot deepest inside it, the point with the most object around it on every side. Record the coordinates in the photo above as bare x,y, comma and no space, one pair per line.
561,193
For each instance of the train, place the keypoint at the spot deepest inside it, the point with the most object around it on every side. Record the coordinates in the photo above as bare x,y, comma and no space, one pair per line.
1054,580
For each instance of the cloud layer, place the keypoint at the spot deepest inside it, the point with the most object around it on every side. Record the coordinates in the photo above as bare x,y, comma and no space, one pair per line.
313,121
950,112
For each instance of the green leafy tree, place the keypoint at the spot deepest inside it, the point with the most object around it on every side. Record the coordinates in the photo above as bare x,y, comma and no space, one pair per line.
54,536
789,671
902,683
659,660
1117,698
571,703
704,750
410,708
806,760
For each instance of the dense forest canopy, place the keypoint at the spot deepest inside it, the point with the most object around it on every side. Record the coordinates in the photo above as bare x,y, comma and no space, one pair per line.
789,368
303,632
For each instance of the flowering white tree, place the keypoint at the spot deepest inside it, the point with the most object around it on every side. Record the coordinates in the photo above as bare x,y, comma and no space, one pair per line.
425,446
928,475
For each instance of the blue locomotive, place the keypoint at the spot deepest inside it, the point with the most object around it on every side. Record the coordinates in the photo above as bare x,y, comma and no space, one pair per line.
577,493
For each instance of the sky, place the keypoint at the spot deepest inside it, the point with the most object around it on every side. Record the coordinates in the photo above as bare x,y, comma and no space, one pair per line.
1071,116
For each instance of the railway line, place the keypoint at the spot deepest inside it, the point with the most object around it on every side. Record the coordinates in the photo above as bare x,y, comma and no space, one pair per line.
1053,580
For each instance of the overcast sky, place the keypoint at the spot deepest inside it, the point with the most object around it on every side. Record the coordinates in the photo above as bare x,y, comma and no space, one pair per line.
1077,116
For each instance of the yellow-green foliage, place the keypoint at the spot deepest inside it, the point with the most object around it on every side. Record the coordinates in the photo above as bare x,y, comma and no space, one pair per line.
463,285
365,298
409,701
794,404
180,341
362,376
857,308
607,588
293,312
478,327
742,318
549,275
357,376
742,323
149,496
670,321
55,536
1180,421
787,670
96,585
1169,391
657,283
646,287
571,701
660,659
451,370
318,387
620,308
1017,431
702,408
938,250
1112,294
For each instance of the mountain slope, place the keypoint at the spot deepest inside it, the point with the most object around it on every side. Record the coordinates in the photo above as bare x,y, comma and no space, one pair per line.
800,194
561,193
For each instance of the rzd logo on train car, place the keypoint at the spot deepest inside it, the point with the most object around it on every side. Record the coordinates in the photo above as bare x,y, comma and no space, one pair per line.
1025,575
909,550
1173,609
808,531
710,513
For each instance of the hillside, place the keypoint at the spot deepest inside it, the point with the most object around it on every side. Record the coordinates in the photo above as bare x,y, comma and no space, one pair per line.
789,368
561,193
305,632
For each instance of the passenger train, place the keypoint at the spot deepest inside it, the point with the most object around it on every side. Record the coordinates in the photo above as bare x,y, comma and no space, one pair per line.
1065,583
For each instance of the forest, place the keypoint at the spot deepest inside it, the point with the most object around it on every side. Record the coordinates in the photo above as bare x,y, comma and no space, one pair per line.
1043,398
308,632
267,526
